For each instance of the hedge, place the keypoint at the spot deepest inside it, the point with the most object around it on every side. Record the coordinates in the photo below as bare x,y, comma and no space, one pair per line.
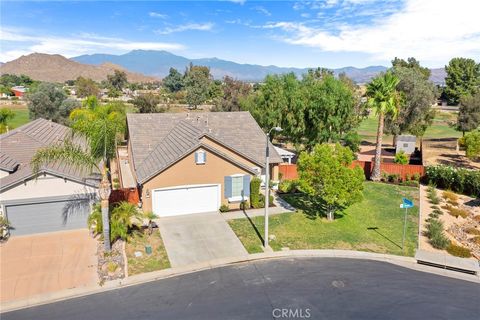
456,179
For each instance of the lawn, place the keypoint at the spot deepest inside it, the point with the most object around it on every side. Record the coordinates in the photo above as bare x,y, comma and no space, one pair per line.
146,263
439,129
21,117
375,224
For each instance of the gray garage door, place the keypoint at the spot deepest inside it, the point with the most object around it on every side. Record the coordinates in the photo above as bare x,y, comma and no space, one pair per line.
52,215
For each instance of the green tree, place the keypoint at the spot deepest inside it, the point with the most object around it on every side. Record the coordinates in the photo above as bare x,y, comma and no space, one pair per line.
418,96
325,174
12,80
86,87
148,103
411,63
49,101
463,79
197,85
471,142
99,126
469,113
5,115
233,91
117,80
174,81
384,99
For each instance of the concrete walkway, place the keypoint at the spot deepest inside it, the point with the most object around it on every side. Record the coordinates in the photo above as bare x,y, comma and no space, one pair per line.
281,206
197,238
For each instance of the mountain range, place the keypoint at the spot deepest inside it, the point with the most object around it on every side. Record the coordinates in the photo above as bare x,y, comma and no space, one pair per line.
150,65
57,68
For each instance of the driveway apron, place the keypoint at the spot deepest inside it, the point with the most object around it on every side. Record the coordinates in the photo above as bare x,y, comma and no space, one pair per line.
199,238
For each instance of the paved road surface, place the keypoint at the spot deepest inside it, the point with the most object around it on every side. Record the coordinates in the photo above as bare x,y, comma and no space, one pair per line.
313,288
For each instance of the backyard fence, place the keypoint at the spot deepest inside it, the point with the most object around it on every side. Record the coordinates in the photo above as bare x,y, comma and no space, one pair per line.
289,171
127,194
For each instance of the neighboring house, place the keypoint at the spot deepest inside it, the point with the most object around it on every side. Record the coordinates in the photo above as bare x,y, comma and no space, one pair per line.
19,91
59,198
405,143
287,156
192,163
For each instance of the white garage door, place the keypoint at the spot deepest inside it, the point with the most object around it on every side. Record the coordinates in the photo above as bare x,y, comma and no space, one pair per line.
186,200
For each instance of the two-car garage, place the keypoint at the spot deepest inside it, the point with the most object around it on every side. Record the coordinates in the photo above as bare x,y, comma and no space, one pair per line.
31,216
186,199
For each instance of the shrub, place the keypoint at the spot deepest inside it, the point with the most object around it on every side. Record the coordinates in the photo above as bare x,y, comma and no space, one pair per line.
255,192
456,212
244,205
112,266
458,251
416,177
460,180
262,201
288,186
401,158
394,178
476,240
449,195
435,234
473,231
477,218
224,208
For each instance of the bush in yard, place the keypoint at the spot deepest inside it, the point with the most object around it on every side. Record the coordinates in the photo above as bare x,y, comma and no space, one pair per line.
288,186
224,208
244,205
325,175
458,251
456,179
401,158
435,234
456,212
255,192
473,231
261,201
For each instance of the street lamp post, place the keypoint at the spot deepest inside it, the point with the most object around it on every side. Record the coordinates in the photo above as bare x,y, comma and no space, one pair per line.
267,181
104,191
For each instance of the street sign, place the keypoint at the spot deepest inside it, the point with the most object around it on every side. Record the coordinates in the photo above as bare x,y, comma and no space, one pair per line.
407,204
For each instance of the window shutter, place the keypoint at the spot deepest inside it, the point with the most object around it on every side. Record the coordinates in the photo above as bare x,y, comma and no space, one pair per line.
196,157
204,156
228,186
246,185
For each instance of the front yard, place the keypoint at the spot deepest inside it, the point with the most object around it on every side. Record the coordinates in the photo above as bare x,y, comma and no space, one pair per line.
375,224
157,260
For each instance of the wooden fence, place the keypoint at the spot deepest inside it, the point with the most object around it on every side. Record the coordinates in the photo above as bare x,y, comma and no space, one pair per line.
128,194
289,171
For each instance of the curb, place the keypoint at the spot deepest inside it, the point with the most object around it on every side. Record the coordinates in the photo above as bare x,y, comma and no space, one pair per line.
407,262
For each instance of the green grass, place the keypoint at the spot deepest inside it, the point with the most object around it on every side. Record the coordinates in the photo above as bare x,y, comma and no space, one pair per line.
375,224
146,263
21,117
439,129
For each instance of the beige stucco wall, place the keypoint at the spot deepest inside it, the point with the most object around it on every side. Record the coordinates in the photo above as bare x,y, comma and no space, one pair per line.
45,186
187,172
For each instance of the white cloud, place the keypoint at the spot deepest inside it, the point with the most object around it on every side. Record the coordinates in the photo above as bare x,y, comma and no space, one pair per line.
237,1
422,28
262,10
25,43
186,27
154,14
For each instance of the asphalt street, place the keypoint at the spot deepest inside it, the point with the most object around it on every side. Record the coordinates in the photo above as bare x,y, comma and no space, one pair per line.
307,288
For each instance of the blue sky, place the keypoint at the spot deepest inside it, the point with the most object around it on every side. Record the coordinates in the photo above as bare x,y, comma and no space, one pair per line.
328,33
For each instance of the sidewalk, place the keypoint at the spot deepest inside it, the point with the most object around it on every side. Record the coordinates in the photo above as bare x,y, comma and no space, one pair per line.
281,206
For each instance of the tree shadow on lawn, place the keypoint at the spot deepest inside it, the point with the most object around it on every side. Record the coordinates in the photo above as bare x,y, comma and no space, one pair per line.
311,207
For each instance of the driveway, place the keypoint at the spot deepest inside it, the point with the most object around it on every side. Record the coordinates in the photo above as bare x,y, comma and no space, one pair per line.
198,238
37,264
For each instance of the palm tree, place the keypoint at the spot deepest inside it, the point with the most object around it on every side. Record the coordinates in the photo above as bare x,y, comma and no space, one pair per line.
99,126
383,97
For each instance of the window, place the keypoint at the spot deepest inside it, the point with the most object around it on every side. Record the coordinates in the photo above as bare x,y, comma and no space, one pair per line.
237,186
405,145
200,157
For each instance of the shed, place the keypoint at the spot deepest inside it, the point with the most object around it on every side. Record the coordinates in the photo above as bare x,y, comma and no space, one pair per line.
405,143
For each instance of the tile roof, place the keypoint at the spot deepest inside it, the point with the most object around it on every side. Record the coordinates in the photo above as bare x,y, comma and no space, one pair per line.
160,139
20,145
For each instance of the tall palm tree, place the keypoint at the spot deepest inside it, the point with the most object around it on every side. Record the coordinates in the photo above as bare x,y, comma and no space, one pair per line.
99,126
383,97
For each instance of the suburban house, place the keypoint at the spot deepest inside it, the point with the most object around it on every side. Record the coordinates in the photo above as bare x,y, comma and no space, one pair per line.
58,198
194,162
19,91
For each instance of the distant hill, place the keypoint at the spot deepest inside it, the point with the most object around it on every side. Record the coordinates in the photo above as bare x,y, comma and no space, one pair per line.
57,68
158,63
